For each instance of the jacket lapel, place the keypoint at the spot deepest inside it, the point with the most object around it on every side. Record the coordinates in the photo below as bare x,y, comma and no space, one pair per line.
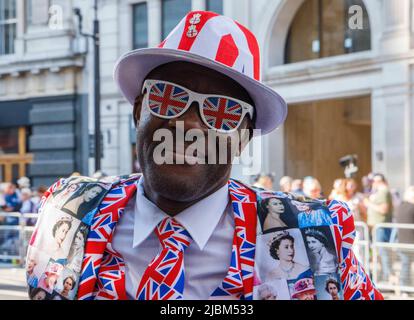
239,280
104,273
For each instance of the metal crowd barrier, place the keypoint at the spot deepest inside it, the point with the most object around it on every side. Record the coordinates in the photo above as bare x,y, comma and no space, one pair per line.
362,244
392,260
15,233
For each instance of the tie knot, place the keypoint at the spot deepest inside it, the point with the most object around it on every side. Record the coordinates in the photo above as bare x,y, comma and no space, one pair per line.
173,235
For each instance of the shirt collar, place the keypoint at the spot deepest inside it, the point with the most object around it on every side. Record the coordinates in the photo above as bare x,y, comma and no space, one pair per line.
200,220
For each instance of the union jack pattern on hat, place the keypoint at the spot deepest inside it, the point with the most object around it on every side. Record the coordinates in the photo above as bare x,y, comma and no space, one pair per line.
213,41
164,277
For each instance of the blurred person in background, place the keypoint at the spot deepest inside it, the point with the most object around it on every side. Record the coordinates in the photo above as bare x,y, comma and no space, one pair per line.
355,200
2,201
312,188
366,182
9,242
11,198
297,187
41,190
29,205
12,203
379,210
23,182
285,184
338,191
264,182
405,214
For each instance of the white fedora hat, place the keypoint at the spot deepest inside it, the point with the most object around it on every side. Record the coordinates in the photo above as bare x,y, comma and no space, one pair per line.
214,41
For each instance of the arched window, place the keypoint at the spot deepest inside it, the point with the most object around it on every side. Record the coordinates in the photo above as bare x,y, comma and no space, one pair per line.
325,28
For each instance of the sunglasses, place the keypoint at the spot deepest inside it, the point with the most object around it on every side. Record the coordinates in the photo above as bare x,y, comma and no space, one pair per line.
168,100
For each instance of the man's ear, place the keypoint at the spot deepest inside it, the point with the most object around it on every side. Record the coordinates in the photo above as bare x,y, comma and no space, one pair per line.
137,109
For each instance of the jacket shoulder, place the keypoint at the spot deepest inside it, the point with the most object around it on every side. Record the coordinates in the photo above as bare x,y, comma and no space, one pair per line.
58,242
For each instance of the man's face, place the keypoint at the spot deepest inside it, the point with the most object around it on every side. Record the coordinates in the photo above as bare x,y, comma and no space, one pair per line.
185,182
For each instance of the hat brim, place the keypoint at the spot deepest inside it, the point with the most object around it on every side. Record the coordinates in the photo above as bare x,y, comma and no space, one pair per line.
132,68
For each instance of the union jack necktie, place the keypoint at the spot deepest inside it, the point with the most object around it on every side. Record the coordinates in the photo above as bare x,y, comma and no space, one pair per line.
164,277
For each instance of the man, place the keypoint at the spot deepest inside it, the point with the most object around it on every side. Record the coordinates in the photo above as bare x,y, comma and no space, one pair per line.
183,229
379,210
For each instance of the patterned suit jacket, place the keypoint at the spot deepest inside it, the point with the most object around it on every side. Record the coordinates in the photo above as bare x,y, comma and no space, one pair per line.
285,246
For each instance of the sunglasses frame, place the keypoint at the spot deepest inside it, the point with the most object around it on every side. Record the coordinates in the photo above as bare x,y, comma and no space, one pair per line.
200,98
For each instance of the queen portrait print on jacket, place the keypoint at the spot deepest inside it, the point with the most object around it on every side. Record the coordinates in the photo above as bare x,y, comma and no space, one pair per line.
284,247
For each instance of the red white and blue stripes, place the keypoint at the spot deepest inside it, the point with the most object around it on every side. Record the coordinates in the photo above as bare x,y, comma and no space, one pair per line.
164,277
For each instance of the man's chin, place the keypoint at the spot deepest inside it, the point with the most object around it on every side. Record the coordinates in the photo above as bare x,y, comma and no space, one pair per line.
179,182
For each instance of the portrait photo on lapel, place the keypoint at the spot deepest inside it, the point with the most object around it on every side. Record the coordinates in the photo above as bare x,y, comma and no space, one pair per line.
85,199
282,255
49,278
311,214
63,193
76,250
271,290
275,214
66,284
36,264
302,288
55,237
320,246
39,294
329,287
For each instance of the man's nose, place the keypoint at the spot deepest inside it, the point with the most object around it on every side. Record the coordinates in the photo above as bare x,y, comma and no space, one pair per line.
191,118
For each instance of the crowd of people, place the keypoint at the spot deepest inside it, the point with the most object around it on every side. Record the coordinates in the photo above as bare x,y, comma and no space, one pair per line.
18,199
373,203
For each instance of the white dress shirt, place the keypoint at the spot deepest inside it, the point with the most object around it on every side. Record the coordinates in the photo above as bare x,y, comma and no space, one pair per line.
210,223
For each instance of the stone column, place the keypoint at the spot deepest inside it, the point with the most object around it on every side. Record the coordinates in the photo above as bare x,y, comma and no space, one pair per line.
154,22
392,100
198,5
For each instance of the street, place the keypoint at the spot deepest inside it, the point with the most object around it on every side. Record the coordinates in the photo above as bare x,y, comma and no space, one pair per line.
12,284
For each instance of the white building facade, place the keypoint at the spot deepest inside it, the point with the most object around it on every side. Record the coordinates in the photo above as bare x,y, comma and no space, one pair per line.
367,76
383,74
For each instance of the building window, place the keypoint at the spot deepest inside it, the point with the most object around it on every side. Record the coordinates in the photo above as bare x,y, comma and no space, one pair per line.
321,29
215,6
14,158
140,23
172,13
37,12
8,22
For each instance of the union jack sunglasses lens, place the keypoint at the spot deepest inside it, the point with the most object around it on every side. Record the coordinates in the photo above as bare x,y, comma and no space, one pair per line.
167,100
222,113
